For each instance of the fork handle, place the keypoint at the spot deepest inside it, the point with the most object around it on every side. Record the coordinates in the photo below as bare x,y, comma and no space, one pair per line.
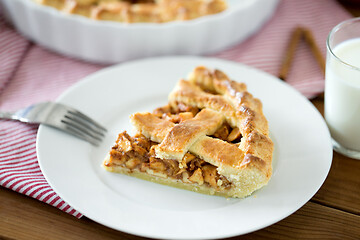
6,115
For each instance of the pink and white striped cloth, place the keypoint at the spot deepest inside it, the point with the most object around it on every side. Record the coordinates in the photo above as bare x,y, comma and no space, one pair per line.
30,74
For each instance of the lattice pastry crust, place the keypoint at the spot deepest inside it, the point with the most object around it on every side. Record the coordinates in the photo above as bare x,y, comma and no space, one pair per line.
132,11
212,138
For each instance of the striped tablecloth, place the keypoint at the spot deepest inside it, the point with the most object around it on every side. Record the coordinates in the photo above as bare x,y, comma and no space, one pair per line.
30,74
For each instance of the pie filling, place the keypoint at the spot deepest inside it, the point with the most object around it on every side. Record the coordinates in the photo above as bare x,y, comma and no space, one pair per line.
137,153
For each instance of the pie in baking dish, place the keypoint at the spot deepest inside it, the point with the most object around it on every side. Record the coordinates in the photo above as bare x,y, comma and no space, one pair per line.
132,11
211,138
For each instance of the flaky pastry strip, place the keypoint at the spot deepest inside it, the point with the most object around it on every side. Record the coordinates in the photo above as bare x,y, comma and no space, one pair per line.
191,94
183,135
152,127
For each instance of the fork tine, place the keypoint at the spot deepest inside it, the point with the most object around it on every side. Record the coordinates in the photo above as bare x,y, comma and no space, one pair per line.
85,125
85,118
69,128
81,128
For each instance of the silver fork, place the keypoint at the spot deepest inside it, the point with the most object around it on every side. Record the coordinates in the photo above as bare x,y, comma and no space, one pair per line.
61,117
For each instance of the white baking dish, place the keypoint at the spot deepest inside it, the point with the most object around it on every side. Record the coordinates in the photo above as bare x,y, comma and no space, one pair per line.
111,42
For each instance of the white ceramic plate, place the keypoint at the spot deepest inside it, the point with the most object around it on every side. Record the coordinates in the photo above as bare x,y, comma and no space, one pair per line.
302,156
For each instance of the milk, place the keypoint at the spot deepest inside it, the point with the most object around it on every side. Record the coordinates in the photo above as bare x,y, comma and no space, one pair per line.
342,94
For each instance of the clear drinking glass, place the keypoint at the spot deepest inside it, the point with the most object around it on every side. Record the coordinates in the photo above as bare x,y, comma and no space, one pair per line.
342,87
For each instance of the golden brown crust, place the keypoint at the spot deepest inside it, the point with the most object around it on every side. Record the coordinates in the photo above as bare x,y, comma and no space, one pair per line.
183,135
138,11
152,127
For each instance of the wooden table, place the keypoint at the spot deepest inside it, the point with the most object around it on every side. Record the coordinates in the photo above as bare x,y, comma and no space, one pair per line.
333,213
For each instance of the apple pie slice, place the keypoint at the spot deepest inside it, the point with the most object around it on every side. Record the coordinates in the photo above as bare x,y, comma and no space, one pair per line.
211,138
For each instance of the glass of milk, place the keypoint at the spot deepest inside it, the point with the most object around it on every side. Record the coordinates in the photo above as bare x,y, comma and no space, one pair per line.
342,87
